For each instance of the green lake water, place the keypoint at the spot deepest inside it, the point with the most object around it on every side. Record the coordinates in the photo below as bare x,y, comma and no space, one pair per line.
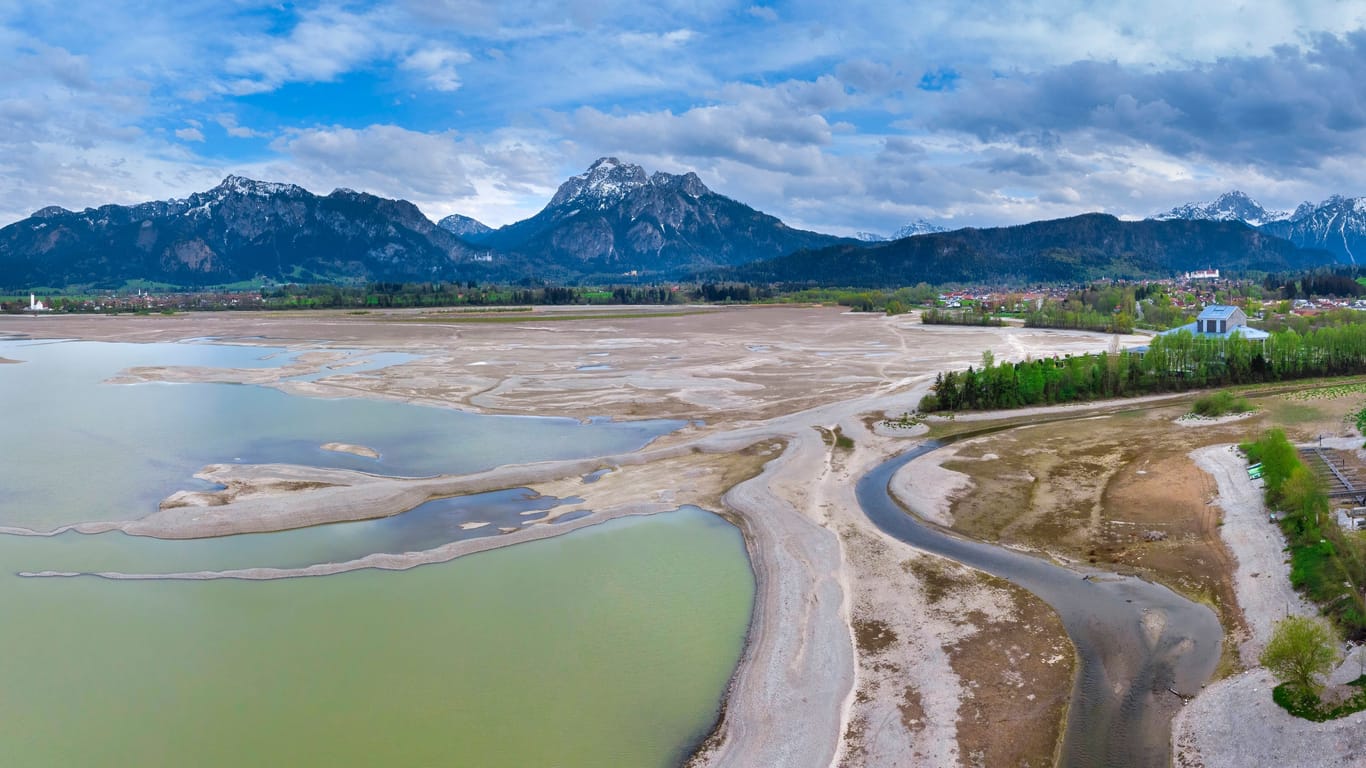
607,646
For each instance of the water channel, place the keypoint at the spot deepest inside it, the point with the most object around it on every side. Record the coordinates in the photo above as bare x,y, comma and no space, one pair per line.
1134,639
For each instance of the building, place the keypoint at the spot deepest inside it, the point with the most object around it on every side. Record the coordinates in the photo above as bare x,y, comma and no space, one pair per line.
1220,321
1203,274
34,305
1217,322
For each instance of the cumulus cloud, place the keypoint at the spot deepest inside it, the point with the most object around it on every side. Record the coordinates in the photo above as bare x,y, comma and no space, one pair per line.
437,65
189,133
324,44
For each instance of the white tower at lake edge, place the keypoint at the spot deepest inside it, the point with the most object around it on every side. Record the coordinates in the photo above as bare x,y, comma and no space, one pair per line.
34,305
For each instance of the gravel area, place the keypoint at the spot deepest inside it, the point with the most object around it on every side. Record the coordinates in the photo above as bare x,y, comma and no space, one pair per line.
1261,578
1234,722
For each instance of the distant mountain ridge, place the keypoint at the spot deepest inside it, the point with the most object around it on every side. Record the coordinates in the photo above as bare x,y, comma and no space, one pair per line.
1080,248
1336,225
1230,206
615,218
917,227
616,222
240,230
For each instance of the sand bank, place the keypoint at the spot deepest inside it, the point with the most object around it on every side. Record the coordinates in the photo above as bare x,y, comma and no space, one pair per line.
354,450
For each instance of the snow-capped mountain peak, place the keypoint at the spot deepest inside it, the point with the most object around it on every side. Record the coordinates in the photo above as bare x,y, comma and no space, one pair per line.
1230,206
918,227
605,183
243,186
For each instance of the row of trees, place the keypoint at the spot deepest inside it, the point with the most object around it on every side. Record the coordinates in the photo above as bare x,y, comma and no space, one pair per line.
1077,316
1327,565
386,295
1172,363
974,315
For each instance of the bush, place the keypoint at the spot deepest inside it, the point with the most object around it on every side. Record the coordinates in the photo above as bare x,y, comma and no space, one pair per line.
1217,404
1301,650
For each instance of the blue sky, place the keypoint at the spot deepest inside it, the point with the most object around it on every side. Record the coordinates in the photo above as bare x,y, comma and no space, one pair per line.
840,117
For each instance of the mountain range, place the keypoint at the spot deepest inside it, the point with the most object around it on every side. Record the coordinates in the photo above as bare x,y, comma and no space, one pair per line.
1336,225
1079,248
615,223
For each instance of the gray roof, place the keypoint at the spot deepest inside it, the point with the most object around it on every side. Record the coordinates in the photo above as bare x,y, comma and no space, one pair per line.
1251,334
1217,312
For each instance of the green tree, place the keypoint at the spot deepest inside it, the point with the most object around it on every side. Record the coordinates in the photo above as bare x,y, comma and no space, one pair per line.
1300,651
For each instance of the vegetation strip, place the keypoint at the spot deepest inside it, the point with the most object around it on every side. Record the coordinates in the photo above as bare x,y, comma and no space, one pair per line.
1326,564
1172,363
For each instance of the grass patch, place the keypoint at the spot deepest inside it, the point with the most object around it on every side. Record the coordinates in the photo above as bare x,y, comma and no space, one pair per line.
872,635
1291,414
843,441
1222,403
1306,705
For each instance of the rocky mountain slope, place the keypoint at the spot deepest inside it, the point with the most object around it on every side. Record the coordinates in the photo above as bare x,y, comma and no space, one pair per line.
239,230
1336,225
614,219
464,227
1230,206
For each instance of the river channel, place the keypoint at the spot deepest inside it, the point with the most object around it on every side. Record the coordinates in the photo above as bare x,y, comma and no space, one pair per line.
1135,640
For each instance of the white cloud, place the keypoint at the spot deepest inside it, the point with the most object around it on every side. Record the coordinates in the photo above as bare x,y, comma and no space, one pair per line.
228,122
189,134
437,66
323,45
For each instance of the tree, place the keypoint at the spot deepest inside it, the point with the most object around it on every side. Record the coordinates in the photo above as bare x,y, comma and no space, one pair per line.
1301,649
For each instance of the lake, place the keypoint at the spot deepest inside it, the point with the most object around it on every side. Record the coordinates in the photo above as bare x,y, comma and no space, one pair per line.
611,645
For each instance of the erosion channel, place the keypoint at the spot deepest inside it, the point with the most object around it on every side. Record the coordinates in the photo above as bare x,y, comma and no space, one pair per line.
1136,641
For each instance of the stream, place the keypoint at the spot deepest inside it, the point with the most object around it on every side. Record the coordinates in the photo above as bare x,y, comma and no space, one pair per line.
1134,639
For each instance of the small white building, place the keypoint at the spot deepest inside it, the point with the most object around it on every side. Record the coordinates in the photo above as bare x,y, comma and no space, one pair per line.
36,306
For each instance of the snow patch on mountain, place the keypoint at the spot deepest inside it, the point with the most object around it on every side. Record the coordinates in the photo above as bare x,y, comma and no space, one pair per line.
917,227
1230,206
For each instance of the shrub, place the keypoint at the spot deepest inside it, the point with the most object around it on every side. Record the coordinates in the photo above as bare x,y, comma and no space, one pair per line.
1217,404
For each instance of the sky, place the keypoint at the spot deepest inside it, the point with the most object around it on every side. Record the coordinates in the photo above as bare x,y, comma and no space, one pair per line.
839,117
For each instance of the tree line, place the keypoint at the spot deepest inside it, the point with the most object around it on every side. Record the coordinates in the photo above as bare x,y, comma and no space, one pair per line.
1172,363
1325,564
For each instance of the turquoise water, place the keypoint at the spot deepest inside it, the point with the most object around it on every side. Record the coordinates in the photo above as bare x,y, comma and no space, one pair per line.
129,446
611,645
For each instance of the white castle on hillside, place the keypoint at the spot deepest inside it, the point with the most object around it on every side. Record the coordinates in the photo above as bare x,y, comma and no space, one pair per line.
36,306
